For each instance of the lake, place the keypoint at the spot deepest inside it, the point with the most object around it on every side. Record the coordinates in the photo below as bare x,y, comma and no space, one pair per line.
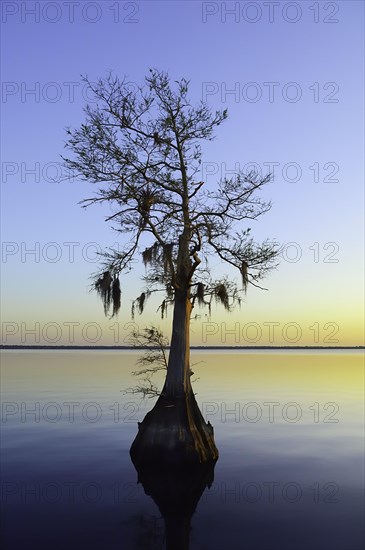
289,427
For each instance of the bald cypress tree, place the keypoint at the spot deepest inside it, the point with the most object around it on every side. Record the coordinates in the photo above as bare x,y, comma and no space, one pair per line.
142,147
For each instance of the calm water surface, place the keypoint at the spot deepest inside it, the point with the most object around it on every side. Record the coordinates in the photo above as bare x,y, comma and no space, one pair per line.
288,425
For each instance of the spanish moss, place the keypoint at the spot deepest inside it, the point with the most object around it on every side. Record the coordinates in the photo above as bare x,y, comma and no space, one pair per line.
103,287
150,254
167,256
163,309
244,275
141,301
147,256
200,294
147,198
221,295
116,296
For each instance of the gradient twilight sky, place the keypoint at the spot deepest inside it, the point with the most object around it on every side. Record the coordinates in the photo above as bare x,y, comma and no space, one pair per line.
310,122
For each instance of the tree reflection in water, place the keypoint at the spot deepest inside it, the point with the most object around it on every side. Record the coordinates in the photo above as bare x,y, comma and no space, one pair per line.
176,492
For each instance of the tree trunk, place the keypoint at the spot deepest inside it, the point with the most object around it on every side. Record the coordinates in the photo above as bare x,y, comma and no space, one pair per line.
174,432
177,383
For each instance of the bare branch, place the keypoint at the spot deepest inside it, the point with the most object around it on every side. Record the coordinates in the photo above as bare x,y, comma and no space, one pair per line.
142,148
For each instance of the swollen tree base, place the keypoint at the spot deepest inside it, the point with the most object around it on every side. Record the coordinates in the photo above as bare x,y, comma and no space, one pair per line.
174,433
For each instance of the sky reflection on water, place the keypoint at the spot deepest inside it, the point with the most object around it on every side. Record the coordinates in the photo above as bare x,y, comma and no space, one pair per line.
288,426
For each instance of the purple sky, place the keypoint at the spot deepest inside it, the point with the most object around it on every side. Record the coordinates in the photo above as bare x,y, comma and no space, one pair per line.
291,76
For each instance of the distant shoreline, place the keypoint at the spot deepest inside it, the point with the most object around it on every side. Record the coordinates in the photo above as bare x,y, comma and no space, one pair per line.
132,348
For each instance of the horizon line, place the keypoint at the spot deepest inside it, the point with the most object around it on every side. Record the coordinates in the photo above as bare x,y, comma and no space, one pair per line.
17,346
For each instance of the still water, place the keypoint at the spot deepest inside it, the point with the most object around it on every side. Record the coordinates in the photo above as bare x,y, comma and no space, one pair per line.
288,426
